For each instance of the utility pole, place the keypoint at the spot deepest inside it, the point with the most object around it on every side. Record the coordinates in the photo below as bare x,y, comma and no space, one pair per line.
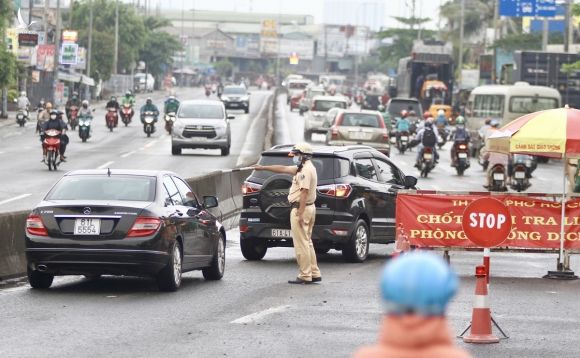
494,55
90,49
570,24
545,31
45,18
56,51
567,25
461,35
116,54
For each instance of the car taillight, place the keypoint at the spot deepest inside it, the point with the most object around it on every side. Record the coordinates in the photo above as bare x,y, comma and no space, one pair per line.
250,188
385,137
334,133
144,226
244,228
35,226
336,190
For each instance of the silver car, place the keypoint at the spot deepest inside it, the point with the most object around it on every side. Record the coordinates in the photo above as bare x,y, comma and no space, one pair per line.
359,127
315,119
201,124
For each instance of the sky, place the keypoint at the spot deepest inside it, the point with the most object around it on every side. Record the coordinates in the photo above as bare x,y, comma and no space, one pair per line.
426,8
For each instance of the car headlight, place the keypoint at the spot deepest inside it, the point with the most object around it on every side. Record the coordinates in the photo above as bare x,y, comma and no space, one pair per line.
245,99
178,126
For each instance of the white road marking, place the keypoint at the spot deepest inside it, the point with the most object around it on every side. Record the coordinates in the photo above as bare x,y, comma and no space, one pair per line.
128,154
150,144
14,199
258,316
107,164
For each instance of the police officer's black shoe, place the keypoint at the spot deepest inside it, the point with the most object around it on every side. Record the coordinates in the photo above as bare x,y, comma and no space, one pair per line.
317,279
299,281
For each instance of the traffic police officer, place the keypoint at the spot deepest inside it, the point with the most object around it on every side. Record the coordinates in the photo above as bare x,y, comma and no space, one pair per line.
301,196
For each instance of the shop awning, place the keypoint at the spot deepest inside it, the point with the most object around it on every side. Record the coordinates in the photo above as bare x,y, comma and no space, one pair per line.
76,77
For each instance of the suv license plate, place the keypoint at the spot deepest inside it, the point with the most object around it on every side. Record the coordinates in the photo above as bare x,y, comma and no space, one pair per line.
281,233
87,226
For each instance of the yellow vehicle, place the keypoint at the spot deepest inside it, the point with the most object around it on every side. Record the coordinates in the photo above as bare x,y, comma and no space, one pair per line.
436,107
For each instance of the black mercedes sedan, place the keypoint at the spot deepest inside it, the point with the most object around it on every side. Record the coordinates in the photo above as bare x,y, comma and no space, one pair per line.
124,222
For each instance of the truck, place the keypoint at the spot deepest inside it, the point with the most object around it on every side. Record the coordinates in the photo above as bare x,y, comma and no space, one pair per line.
545,69
430,61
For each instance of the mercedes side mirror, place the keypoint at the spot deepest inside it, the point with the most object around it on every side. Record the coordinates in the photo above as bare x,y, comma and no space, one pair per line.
410,182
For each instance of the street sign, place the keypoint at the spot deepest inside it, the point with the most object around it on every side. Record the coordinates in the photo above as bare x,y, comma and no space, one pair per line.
531,8
487,222
69,53
27,39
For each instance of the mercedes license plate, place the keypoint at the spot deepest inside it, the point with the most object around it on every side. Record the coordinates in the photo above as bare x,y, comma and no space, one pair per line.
520,175
462,155
281,233
87,226
498,176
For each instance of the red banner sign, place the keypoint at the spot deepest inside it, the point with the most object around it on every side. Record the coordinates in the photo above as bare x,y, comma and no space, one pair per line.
435,221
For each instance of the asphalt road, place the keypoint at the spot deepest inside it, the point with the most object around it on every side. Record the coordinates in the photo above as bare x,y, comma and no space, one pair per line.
25,180
253,312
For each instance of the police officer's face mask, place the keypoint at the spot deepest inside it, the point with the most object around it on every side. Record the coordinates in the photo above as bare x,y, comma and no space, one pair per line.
297,159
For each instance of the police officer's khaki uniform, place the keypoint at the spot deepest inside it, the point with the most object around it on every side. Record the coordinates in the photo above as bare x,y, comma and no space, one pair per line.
302,233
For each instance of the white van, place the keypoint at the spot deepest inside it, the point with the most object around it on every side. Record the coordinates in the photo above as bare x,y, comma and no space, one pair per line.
508,102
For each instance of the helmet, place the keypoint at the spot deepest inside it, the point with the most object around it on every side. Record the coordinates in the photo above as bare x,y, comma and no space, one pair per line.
440,112
412,114
172,97
428,124
426,115
53,114
128,93
460,120
488,121
48,106
301,148
381,108
494,123
85,103
149,100
418,282
23,93
404,113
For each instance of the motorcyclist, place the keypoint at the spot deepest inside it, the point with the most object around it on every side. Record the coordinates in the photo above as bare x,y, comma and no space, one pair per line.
23,103
494,158
85,111
43,117
220,89
484,128
402,125
40,106
460,135
113,103
416,289
424,140
128,99
171,105
56,122
149,107
74,101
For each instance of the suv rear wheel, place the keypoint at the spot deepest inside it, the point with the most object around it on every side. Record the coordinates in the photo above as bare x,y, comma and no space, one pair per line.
357,247
253,249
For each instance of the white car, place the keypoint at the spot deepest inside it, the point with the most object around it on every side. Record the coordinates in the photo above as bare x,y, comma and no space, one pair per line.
316,116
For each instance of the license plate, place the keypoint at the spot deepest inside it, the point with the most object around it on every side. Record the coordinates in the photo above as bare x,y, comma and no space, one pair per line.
498,176
281,233
234,104
404,138
87,226
462,155
358,135
393,140
428,156
520,175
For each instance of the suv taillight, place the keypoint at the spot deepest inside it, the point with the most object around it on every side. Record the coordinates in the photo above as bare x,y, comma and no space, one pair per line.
250,188
336,190
144,226
35,226
385,137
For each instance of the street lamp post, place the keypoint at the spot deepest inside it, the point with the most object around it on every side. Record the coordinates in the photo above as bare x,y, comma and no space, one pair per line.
90,48
56,51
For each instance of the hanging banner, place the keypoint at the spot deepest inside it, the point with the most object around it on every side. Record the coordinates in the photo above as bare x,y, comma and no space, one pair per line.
69,54
45,58
436,221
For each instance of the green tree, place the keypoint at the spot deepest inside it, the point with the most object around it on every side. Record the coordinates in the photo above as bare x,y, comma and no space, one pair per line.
224,68
159,46
402,44
8,66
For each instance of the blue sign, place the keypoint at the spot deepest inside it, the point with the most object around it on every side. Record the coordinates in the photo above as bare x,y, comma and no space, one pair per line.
531,8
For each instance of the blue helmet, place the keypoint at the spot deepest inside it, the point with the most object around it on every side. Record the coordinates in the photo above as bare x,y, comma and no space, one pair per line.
418,282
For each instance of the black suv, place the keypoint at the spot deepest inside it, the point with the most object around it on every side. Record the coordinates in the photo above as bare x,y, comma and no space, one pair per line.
355,205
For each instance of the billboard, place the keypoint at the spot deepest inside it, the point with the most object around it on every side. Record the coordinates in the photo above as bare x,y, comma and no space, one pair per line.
69,54
45,58
532,8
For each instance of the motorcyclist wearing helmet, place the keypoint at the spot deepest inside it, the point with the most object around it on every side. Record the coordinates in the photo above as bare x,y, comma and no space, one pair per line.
23,103
85,111
302,196
74,101
428,127
43,117
460,135
149,107
494,158
56,122
484,128
441,120
416,289
128,98
113,103
171,105
402,125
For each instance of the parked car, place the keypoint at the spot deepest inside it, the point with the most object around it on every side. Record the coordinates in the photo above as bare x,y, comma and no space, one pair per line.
355,205
201,124
306,102
359,127
314,120
123,222
236,97
396,105
144,82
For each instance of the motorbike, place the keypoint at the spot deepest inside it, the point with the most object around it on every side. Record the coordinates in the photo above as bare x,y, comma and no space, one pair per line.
521,172
73,117
126,114
497,178
85,127
403,142
149,123
169,120
111,118
51,146
443,134
461,157
427,161
22,117
207,92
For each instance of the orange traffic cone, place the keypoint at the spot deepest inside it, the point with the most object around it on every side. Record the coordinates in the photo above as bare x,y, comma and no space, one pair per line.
481,316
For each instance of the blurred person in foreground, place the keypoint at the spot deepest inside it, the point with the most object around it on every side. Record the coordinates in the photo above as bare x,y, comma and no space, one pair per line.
416,289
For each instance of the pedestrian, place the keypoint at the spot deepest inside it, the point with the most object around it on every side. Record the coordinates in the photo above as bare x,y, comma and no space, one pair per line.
301,196
416,288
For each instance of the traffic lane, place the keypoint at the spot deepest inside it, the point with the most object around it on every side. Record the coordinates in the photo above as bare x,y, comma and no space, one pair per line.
443,176
27,180
253,311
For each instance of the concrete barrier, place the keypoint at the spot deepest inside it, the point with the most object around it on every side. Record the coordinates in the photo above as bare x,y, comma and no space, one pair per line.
12,259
